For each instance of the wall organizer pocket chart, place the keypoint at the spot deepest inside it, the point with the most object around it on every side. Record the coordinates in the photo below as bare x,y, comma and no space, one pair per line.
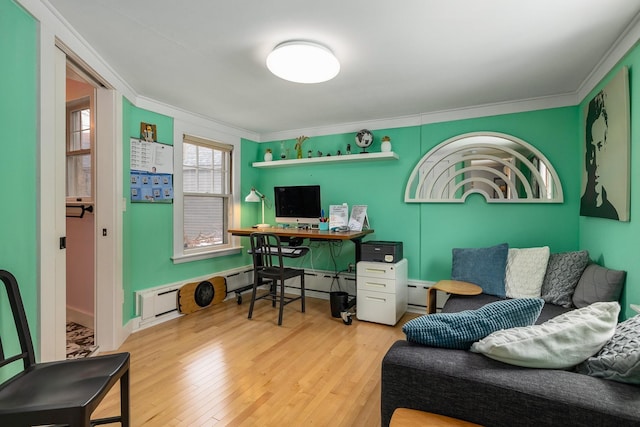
151,172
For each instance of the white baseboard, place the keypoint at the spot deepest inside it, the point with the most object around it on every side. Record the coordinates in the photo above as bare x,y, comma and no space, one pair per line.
80,317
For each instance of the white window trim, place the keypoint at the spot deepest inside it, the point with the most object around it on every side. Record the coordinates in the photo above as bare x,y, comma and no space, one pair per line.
179,254
74,105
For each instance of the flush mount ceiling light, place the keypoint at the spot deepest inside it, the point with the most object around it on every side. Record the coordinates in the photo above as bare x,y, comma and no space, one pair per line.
303,62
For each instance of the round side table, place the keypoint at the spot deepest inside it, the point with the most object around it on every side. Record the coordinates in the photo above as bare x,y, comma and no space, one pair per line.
451,287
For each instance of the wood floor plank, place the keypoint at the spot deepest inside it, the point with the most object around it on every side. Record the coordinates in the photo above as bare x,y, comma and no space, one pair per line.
217,368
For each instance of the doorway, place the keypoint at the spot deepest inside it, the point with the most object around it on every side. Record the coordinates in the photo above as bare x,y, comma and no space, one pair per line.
80,150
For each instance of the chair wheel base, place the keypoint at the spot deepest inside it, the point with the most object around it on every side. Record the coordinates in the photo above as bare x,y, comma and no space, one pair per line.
346,317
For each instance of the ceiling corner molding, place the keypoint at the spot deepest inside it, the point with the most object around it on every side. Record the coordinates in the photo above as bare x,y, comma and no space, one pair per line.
500,108
195,118
620,48
74,45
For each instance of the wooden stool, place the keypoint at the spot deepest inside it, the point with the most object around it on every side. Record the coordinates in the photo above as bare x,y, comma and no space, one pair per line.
403,417
451,287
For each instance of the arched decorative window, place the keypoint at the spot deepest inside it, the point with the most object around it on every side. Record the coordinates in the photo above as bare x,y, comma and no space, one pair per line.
500,167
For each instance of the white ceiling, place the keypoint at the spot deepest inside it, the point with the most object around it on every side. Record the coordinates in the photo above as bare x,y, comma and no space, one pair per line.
398,58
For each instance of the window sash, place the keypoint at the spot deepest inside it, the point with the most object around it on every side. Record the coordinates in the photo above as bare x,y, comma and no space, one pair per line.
79,151
207,191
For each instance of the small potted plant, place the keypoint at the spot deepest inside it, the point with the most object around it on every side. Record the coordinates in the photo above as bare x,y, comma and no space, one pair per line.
298,146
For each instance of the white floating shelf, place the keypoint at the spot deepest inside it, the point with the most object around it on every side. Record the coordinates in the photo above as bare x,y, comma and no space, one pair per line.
328,159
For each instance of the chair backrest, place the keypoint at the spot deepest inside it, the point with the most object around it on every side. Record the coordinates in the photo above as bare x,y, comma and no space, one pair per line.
20,320
267,251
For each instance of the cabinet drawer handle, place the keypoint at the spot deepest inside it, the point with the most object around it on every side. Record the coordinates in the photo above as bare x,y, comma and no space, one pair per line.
377,299
375,285
375,270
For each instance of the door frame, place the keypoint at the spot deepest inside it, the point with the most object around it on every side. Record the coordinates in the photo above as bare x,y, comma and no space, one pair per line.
52,202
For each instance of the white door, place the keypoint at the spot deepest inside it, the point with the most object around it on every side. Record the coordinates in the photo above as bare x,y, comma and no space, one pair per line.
52,275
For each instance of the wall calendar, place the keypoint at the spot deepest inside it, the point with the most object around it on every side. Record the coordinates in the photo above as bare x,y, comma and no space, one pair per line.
151,172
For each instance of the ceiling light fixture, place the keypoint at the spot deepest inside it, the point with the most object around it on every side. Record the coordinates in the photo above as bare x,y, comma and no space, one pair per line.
303,62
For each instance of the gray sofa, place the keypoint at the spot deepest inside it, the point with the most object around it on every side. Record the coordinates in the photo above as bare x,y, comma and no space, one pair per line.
472,387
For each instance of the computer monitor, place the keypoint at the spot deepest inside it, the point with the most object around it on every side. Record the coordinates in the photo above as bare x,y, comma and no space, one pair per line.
298,204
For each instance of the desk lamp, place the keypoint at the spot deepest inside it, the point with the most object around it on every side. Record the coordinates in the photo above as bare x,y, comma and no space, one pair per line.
254,197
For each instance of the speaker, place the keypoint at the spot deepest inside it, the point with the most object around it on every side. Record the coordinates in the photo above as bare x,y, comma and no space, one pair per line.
198,295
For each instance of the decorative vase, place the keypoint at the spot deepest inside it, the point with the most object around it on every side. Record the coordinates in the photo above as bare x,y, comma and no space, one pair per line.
268,156
385,146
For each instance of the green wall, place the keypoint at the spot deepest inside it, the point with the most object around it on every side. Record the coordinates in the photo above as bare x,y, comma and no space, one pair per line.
430,231
614,243
148,227
19,156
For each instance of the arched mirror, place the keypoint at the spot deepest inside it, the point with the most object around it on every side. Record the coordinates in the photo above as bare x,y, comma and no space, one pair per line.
500,167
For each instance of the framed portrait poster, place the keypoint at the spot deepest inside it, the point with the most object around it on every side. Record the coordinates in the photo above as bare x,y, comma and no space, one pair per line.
605,172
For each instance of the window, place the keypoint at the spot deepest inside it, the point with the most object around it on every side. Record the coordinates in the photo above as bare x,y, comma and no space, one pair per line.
207,194
79,151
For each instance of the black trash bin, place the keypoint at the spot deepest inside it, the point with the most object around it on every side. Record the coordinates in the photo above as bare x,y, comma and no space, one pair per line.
339,302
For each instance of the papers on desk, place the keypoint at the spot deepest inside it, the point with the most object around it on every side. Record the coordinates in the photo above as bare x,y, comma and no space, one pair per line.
358,220
338,215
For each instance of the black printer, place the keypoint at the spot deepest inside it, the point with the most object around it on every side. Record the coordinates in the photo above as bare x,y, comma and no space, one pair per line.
380,251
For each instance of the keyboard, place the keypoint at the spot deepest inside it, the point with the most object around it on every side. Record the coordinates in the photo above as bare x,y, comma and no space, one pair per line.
288,251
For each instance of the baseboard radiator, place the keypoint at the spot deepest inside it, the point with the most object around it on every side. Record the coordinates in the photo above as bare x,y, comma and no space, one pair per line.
155,303
159,304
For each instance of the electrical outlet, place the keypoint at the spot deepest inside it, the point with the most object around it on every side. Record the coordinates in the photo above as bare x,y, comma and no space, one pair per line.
351,268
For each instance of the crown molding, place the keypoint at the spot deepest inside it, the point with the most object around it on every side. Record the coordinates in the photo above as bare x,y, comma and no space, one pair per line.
195,118
532,104
81,52
394,122
500,108
627,41
75,46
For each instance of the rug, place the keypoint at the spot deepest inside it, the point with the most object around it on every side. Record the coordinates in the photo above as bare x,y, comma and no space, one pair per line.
80,341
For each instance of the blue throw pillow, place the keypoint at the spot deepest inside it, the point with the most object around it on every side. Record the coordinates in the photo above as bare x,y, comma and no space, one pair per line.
460,330
483,266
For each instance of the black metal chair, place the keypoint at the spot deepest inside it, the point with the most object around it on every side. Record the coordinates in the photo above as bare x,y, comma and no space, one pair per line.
62,392
268,266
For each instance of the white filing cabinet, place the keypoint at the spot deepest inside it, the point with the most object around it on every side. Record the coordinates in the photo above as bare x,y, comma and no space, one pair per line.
382,291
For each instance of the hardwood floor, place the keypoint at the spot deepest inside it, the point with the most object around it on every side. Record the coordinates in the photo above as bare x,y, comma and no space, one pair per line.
215,367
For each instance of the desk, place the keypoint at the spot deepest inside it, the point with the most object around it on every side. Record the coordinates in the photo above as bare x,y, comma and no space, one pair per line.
312,233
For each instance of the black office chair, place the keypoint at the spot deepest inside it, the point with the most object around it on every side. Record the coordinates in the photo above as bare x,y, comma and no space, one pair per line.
63,392
266,249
